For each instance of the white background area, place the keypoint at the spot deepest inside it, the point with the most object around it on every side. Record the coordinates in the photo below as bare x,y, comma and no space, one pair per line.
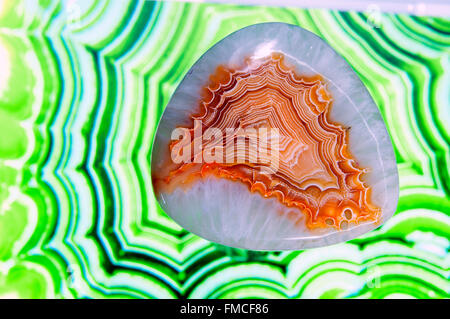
415,7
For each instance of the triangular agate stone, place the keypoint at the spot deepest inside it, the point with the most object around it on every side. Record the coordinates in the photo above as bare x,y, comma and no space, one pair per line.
272,142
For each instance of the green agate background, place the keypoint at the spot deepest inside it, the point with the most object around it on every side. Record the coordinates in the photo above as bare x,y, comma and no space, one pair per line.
82,86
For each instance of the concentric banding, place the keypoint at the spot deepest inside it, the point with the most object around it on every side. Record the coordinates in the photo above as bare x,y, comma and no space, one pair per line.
352,107
315,171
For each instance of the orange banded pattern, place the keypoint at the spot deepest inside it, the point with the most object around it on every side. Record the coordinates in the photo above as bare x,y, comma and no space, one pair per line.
316,175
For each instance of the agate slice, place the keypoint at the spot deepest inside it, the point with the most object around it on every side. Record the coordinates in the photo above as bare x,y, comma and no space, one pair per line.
271,142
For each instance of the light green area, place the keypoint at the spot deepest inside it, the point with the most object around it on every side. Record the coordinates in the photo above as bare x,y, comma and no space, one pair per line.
22,282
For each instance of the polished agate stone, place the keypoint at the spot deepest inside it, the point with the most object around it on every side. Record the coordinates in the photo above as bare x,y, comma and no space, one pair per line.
306,160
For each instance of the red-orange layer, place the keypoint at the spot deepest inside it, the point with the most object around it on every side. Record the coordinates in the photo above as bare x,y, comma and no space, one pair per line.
316,173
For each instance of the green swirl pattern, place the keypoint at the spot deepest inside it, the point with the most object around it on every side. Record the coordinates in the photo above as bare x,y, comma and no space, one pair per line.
82,86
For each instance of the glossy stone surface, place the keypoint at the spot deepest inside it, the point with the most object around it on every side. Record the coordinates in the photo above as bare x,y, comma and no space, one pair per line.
336,176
